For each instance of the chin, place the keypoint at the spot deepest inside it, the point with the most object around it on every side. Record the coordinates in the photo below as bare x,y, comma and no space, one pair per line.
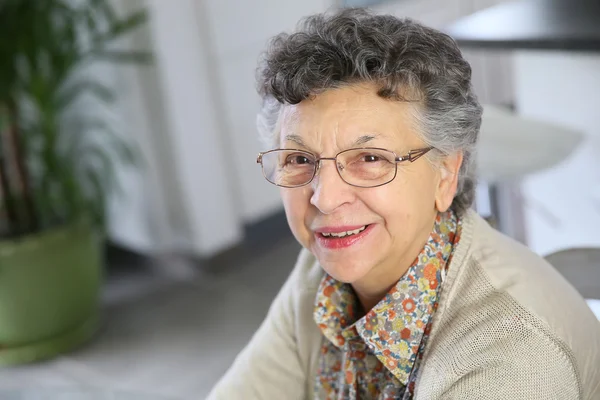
346,271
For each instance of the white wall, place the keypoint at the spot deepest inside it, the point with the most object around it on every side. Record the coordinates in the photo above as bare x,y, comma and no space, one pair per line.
563,203
152,216
238,32
202,161
182,198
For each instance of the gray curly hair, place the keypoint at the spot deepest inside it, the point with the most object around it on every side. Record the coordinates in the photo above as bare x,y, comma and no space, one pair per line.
400,56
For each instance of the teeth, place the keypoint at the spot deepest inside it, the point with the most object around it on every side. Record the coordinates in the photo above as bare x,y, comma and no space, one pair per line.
343,234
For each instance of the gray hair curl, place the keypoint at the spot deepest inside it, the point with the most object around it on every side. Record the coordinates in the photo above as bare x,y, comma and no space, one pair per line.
400,55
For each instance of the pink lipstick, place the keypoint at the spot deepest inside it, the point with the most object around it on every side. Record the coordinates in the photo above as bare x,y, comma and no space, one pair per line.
340,237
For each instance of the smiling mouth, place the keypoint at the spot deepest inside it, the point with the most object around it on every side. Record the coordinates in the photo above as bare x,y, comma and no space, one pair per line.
339,235
343,239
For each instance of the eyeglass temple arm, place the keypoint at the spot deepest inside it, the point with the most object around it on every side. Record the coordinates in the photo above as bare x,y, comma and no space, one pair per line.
414,155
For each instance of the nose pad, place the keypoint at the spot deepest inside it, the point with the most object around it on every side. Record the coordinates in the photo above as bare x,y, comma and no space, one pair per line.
329,191
320,163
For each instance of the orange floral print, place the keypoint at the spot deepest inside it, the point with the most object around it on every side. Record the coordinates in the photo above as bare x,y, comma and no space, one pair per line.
408,305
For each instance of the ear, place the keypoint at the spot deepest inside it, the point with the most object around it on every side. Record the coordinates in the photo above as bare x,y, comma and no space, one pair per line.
448,183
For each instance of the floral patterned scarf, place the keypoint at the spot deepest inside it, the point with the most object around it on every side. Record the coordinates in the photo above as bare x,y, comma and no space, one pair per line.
377,356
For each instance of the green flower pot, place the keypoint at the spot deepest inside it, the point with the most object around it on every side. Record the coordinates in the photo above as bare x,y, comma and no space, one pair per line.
49,293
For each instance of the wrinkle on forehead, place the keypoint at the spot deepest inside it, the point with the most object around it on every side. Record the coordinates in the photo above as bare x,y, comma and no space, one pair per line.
339,118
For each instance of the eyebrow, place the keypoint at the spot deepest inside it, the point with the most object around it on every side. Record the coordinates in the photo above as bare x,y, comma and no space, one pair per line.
364,139
358,142
296,139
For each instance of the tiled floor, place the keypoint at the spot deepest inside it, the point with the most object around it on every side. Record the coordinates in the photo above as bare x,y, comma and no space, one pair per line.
171,331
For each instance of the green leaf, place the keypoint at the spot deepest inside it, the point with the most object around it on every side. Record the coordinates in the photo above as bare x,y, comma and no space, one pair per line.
71,190
123,26
67,96
106,168
113,141
106,9
97,197
129,57
44,48
123,150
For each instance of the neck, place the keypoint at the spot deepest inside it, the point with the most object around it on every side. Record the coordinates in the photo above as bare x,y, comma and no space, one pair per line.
368,301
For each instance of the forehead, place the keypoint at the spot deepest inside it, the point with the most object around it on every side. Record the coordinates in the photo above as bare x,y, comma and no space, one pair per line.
347,113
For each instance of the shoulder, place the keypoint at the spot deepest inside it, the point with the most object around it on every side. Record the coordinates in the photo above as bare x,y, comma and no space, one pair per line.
492,264
505,306
302,287
298,293
303,284
505,356
504,268
307,273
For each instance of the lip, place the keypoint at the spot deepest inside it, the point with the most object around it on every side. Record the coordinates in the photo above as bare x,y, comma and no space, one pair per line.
338,229
341,243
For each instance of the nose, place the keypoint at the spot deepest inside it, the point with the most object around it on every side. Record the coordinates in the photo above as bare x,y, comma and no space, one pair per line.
329,190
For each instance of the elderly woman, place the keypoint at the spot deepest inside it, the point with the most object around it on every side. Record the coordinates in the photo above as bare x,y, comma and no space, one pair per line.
401,291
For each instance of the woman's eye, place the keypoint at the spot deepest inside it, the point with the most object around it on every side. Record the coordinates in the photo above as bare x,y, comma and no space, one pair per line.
371,158
298,160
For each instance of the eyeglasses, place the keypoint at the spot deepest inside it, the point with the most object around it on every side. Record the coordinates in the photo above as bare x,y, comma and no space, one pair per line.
362,167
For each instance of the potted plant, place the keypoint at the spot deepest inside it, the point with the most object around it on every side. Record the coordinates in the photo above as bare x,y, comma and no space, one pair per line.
57,169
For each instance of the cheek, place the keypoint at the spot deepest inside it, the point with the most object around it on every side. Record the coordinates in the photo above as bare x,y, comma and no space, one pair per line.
390,203
402,202
418,187
296,205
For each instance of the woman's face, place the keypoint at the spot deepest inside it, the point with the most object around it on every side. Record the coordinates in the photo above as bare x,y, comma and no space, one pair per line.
398,216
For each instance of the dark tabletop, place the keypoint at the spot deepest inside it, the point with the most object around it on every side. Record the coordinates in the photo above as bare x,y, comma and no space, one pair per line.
532,24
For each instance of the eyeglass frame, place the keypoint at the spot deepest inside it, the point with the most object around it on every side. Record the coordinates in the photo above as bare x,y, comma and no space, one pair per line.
411,156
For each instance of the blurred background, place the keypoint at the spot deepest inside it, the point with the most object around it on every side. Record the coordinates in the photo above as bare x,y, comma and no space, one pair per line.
182,242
